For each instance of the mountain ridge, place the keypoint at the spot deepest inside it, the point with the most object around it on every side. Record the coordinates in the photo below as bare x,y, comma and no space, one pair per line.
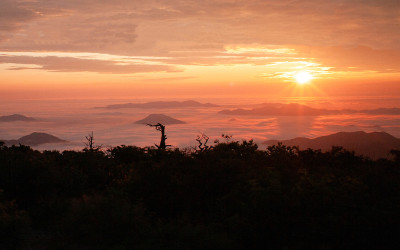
162,105
296,109
374,144
15,117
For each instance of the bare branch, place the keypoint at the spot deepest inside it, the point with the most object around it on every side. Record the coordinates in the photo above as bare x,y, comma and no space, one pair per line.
203,145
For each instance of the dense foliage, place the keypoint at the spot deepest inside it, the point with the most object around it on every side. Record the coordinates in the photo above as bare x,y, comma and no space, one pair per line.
230,196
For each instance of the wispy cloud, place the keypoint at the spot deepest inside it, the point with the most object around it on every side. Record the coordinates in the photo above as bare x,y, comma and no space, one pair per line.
330,35
79,64
13,15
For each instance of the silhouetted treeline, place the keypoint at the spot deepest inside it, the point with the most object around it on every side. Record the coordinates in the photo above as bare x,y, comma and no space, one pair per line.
230,196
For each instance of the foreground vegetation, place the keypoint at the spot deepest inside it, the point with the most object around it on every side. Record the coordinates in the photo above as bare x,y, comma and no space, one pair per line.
231,196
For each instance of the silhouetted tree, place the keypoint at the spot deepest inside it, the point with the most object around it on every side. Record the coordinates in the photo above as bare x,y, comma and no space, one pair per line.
160,127
396,154
90,143
227,138
203,140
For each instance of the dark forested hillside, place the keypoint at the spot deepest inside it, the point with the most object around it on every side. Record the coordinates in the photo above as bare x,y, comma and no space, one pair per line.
374,145
230,196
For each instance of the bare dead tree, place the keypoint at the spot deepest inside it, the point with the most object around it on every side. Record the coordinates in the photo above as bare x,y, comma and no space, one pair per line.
203,140
90,143
160,127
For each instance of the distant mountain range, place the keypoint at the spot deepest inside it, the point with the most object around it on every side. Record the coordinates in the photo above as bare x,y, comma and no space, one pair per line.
295,109
16,117
162,105
34,139
159,118
374,145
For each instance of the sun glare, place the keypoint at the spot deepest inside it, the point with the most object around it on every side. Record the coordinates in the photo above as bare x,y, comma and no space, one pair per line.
303,77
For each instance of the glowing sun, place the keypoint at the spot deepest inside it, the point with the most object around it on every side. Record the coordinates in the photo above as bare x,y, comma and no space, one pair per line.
303,77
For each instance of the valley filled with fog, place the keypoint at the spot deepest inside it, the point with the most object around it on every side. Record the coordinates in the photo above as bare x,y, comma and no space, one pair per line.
114,125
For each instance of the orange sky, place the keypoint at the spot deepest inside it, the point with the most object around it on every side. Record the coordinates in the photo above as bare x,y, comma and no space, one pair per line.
184,48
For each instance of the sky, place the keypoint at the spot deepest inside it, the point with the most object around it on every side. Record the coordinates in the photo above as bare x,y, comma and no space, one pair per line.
186,48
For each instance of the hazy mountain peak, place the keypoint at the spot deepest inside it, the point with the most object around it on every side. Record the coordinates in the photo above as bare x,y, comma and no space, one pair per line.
159,118
15,117
35,139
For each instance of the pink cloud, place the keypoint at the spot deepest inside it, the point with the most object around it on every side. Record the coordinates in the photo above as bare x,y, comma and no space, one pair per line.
339,34
68,64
